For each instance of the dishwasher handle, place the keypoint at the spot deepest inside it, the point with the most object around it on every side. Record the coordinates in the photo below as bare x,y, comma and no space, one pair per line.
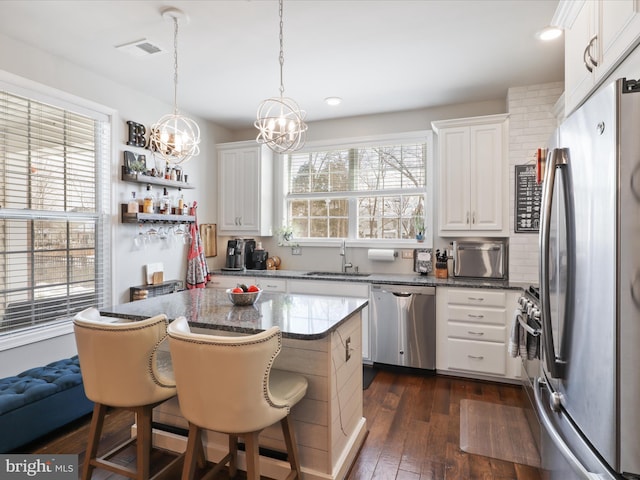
403,290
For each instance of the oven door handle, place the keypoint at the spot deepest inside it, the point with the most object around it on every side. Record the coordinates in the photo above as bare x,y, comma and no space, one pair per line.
528,328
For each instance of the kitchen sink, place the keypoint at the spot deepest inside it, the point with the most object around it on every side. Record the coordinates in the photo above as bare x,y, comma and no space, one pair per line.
337,274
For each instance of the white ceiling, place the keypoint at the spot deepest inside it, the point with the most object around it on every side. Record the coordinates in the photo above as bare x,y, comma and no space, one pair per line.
378,55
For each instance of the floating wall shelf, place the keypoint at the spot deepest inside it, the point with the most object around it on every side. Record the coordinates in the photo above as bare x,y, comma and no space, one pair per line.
140,217
148,179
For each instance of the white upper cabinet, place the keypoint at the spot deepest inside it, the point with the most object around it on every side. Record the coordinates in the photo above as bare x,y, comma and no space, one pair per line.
598,36
472,164
245,189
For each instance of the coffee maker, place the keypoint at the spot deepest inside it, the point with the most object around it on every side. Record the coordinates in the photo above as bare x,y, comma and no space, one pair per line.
249,247
235,255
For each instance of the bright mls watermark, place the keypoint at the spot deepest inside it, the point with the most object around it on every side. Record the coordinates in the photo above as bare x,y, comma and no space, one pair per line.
50,467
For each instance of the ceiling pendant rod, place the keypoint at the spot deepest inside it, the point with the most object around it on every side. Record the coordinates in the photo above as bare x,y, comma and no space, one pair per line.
281,57
175,65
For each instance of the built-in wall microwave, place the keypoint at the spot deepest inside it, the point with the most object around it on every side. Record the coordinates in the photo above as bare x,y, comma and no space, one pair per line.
484,258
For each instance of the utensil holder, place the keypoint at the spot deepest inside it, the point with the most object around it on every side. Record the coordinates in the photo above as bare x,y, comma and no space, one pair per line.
442,270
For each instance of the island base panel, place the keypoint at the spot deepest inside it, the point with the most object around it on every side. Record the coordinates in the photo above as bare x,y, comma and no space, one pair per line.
328,422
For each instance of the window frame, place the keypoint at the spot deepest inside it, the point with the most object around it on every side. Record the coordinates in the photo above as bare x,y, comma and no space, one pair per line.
15,85
282,182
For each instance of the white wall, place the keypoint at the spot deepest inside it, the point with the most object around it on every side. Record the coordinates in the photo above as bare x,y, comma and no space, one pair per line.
58,74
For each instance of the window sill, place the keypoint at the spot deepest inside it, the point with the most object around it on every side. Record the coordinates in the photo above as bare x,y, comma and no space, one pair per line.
27,336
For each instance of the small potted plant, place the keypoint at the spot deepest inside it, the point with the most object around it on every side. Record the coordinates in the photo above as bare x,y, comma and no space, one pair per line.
286,234
419,226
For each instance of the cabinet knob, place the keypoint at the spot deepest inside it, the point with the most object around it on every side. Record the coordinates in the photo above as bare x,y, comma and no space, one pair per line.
467,218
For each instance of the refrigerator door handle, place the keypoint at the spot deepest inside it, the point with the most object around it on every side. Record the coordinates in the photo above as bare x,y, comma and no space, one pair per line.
557,439
557,160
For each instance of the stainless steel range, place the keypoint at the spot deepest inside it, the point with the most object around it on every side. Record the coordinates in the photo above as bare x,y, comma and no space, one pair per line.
529,319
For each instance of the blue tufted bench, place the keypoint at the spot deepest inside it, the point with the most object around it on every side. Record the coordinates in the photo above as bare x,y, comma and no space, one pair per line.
39,400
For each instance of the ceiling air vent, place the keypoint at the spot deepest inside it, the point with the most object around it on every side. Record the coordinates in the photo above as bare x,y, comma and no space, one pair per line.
140,48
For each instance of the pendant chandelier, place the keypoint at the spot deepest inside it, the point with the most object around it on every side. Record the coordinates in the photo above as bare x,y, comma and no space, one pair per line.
279,120
175,137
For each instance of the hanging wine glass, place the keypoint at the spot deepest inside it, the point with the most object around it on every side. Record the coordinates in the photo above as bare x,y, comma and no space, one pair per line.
186,238
171,237
152,233
140,239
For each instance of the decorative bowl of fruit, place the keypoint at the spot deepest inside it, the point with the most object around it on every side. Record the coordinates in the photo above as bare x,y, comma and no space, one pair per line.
244,295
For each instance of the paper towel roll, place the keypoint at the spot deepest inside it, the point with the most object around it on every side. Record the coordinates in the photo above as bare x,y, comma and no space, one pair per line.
381,255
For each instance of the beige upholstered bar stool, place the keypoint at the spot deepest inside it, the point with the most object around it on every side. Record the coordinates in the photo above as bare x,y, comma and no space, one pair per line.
226,384
122,367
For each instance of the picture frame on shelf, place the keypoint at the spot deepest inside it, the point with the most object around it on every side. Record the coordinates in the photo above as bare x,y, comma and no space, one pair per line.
135,163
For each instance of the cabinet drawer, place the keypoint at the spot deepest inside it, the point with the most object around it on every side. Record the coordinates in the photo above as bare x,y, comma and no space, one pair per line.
469,331
271,284
481,357
463,313
485,298
223,281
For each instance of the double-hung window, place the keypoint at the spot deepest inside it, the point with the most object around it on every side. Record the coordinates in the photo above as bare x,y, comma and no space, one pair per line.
54,204
377,190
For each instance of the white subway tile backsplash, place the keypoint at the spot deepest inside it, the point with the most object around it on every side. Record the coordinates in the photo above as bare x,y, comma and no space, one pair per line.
531,122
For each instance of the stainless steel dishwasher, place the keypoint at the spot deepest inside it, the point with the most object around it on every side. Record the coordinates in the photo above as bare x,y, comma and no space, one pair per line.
403,325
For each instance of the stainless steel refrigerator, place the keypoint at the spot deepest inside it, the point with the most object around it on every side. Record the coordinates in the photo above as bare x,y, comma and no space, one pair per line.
588,394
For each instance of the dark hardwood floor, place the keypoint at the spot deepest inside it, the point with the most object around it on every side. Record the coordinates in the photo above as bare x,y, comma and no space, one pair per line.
414,432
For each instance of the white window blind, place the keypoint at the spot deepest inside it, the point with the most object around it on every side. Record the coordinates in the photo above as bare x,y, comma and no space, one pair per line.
377,191
54,199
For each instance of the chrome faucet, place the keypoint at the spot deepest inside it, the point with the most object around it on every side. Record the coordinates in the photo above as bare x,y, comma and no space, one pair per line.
343,254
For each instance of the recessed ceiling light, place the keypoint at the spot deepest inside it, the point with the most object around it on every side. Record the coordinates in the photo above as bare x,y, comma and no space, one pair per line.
549,33
333,101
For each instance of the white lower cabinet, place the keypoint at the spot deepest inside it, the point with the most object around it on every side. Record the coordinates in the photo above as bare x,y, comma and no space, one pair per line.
272,284
345,289
266,284
227,281
472,330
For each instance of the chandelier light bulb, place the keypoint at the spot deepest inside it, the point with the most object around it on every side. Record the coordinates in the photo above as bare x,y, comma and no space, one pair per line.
281,125
175,138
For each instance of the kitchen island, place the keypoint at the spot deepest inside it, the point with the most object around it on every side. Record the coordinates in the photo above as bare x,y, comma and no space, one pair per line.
321,340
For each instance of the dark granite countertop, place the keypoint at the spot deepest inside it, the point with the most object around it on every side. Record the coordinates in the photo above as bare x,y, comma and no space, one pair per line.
305,317
381,278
